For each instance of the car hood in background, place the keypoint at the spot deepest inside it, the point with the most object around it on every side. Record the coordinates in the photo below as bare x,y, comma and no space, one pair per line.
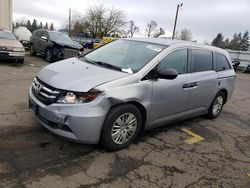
69,45
10,43
76,75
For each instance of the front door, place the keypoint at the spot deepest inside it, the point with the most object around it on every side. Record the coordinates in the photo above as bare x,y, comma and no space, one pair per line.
170,97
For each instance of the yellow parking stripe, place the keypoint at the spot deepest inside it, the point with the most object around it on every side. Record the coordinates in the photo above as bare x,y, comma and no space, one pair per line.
195,138
248,174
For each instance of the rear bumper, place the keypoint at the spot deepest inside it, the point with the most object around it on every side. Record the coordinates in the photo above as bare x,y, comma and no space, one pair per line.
11,55
78,122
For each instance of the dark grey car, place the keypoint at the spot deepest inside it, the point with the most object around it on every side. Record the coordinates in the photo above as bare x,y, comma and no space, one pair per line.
53,45
129,85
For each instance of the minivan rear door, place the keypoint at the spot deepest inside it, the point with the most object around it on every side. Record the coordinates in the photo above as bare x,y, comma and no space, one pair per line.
202,81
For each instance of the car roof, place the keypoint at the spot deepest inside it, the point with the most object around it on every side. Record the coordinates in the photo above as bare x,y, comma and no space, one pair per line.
169,42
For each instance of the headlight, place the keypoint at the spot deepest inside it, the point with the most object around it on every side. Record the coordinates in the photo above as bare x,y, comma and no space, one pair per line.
18,49
77,97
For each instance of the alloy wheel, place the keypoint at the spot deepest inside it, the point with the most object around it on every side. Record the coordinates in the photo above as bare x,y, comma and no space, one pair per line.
124,128
218,104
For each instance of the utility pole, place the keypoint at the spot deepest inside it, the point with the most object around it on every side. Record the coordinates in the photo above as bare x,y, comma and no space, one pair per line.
176,17
69,21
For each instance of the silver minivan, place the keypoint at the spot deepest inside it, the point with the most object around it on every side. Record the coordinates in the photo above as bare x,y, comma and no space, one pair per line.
114,92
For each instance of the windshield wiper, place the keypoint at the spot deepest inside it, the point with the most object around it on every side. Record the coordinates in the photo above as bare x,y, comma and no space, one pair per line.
100,63
107,65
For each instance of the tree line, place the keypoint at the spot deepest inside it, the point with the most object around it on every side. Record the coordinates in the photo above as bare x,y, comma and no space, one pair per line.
238,41
99,21
33,26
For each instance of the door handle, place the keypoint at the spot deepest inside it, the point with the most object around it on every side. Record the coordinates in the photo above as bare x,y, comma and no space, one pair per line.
190,85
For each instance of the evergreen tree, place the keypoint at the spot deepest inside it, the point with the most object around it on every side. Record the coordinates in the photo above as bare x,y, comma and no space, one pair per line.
29,27
244,44
218,41
40,25
234,43
46,26
51,27
34,25
226,43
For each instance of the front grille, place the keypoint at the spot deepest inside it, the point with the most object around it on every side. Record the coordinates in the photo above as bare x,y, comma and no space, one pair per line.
70,52
45,93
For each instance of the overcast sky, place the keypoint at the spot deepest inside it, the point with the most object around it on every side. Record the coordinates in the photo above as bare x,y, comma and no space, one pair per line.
205,18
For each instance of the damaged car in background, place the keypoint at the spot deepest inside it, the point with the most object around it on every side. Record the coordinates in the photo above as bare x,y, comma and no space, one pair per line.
53,45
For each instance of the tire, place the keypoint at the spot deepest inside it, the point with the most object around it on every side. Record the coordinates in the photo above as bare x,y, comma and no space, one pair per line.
123,133
49,55
216,106
21,61
32,51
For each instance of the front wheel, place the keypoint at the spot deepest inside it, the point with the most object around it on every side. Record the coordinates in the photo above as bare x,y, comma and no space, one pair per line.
216,106
21,61
49,55
121,127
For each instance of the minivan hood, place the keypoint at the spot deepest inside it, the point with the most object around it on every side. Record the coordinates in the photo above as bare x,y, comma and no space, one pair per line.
76,75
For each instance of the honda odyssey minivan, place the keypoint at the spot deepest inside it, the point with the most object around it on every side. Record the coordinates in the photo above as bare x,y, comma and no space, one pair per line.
114,92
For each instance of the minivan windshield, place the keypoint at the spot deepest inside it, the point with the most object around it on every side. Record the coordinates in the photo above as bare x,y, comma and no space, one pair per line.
7,35
129,56
59,37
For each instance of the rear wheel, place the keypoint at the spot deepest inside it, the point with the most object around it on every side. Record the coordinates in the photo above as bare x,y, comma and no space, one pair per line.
121,127
32,51
217,105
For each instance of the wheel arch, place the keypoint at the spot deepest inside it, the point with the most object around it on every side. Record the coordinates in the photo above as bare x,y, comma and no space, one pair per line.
138,105
225,93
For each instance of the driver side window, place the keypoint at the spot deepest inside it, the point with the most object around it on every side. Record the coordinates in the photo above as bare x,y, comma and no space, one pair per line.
175,60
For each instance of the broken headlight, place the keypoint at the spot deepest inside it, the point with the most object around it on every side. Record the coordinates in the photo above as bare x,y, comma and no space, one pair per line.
78,97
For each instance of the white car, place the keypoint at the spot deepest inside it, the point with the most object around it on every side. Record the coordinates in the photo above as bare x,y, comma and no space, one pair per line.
23,35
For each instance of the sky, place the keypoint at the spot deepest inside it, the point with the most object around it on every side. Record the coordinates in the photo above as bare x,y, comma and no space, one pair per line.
204,18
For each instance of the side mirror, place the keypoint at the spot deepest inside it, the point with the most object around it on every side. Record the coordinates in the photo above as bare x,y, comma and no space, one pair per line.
44,38
169,74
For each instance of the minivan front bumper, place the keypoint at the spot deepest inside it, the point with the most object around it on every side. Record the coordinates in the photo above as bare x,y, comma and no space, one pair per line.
76,122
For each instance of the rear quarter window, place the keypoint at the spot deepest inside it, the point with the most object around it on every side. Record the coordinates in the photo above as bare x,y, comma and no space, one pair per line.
221,63
202,60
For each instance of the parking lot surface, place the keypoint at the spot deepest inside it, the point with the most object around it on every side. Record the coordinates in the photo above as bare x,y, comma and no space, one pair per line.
192,153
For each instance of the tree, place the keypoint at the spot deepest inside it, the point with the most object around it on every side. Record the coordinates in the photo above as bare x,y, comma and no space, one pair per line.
100,21
51,27
17,25
40,25
151,26
46,26
132,28
34,25
159,32
185,35
29,27
235,42
244,44
218,41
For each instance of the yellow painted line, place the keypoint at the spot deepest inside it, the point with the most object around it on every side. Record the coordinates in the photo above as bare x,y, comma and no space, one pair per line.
248,174
195,137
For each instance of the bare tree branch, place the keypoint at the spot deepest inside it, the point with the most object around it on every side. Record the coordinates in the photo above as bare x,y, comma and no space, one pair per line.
151,26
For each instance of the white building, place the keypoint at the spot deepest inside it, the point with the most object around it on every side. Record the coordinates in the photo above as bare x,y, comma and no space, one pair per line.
6,14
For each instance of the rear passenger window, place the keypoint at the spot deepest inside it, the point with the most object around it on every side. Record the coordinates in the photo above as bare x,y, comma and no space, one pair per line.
175,60
221,62
201,61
